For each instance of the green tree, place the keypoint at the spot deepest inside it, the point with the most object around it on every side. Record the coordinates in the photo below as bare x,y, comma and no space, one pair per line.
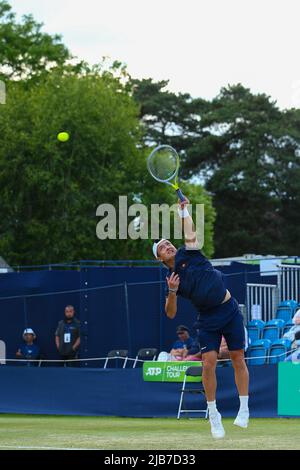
248,156
51,215
246,153
174,119
26,51
51,190
168,117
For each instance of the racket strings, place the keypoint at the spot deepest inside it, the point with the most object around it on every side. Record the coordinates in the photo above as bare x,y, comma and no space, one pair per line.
163,164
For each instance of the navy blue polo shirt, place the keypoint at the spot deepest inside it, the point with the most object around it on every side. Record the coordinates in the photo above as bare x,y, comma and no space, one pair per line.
204,286
29,352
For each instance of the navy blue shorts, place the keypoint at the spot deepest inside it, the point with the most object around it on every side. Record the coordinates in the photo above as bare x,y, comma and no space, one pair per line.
233,332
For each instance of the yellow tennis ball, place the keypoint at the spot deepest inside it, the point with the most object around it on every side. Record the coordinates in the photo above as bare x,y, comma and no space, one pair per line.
63,136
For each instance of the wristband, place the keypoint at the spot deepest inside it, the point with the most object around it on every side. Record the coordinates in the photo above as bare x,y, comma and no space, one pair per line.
172,290
183,213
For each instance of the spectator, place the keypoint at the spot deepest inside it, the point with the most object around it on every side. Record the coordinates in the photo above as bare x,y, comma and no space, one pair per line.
67,337
295,329
295,356
28,349
184,349
223,352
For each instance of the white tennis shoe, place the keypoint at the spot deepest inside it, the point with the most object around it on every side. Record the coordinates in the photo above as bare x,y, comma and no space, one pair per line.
242,419
217,429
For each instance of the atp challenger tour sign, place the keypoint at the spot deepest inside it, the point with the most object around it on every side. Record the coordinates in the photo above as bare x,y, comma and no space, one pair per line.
168,371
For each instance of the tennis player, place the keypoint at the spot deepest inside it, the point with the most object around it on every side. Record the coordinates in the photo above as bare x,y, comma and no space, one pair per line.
192,276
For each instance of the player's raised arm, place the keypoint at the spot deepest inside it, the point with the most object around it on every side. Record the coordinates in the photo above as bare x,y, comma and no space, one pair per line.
190,235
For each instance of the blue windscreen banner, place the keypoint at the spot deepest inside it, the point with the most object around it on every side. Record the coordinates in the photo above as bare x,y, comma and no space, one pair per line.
123,392
119,307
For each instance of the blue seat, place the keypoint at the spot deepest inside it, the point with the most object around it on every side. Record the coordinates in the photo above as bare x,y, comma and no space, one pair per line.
286,309
273,329
278,350
289,303
287,327
254,329
258,352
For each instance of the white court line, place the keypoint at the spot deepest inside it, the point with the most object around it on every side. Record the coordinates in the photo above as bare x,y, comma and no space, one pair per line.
47,448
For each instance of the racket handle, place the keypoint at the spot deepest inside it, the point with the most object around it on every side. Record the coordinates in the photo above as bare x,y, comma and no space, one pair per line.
180,195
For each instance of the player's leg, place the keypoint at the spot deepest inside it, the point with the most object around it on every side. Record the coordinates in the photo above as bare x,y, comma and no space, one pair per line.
210,344
234,334
242,382
241,373
209,380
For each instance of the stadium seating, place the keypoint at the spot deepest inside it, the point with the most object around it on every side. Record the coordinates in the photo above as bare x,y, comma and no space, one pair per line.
254,329
117,354
193,371
286,310
278,350
145,354
258,352
273,329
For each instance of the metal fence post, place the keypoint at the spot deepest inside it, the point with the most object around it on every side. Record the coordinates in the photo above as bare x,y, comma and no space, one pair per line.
127,319
263,295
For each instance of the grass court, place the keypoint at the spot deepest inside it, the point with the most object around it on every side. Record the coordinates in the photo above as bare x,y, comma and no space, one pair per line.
21,432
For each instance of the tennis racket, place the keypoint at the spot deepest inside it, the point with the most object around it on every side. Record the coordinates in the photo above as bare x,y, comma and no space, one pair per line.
163,165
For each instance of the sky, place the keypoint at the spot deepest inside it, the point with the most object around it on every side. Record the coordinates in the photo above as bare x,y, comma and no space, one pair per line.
198,45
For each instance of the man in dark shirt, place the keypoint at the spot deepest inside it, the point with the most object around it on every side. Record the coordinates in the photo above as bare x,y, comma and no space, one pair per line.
28,349
185,346
67,337
192,276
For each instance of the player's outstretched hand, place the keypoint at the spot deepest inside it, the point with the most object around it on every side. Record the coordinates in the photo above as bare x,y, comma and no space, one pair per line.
173,281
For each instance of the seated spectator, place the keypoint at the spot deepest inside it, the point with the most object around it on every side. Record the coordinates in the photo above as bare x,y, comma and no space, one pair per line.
223,353
295,329
184,349
28,349
295,356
